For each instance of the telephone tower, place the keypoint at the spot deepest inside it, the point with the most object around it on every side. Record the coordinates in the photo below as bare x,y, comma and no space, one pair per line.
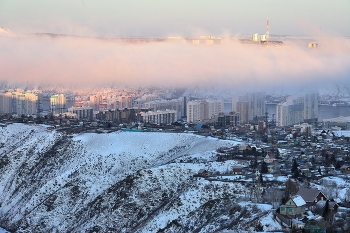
267,30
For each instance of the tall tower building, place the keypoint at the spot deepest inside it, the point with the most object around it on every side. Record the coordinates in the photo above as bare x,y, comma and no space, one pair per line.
196,111
20,102
202,110
6,103
256,105
242,109
297,110
58,104
311,107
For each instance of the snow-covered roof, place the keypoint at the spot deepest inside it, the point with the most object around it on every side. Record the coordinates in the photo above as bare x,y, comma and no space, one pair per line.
338,119
299,201
345,133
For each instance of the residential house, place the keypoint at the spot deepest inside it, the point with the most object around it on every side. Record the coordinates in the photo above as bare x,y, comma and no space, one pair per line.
270,158
332,210
244,148
295,206
316,224
203,172
311,196
345,169
236,170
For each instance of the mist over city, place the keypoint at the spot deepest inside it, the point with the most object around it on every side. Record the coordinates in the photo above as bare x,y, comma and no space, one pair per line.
84,62
184,116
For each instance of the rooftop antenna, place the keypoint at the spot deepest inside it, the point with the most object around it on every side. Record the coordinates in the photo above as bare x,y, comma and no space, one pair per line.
267,30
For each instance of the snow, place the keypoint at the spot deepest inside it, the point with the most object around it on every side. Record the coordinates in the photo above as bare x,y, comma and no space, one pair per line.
3,231
269,223
99,161
345,133
166,161
299,201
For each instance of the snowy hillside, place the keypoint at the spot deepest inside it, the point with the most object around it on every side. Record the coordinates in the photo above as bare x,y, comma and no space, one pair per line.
113,182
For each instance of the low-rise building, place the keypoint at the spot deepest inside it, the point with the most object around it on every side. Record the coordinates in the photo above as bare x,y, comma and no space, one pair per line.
295,206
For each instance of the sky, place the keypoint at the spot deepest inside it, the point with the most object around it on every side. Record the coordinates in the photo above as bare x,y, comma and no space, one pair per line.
91,61
162,18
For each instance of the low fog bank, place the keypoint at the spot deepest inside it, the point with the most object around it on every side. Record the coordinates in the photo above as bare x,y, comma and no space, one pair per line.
90,62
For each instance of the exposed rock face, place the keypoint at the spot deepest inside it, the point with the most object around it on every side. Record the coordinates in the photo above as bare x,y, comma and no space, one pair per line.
117,182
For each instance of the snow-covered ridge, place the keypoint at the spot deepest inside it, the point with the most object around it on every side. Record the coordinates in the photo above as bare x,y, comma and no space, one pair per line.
128,181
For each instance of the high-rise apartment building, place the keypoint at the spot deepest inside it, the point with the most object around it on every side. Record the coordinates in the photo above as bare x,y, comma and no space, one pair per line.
297,110
251,107
82,113
6,103
311,107
256,105
242,110
58,104
20,102
159,117
202,110
195,111
163,105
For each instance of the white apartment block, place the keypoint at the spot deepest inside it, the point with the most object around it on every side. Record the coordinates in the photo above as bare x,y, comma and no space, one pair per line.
6,102
311,106
58,104
297,110
199,111
214,107
159,117
162,105
250,107
20,102
256,105
81,113
195,111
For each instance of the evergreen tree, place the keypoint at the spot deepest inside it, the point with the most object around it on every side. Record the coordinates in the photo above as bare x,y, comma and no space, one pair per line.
264,168
326,211
261,180
291,188
296,174
333,160
337,165
295,169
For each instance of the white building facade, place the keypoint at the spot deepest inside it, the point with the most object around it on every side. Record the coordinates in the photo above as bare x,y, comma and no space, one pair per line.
58,104
20,102
159,117
297,110
200,111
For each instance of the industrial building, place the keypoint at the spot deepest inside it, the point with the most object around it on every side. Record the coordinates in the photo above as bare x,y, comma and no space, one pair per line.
338,122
